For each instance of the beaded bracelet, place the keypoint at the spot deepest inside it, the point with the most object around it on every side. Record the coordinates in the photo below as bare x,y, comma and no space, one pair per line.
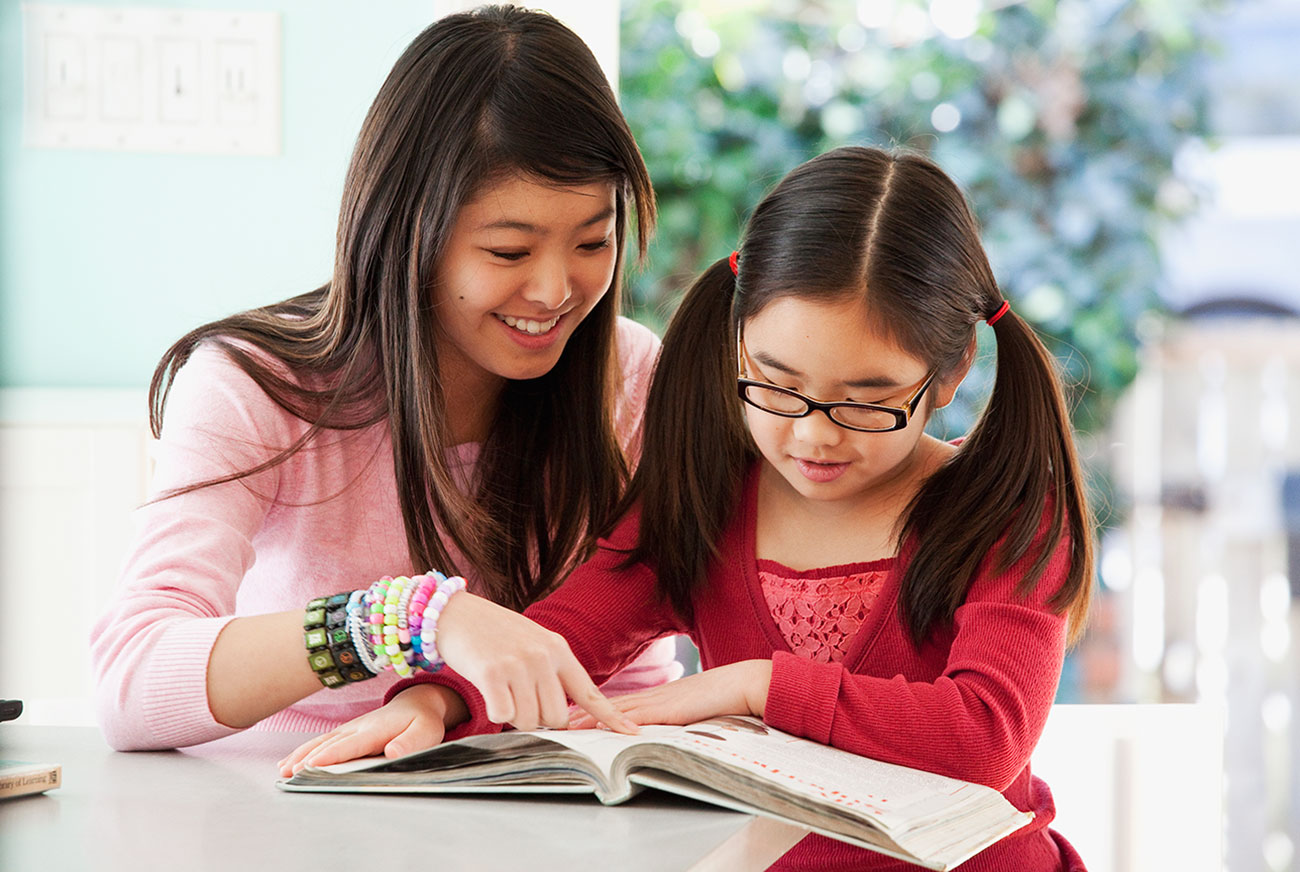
391,641
341,647
358,627
375,598
392,624
316,639
429,625
419,601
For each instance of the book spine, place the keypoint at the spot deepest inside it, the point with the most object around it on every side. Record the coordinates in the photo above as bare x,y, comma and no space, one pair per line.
30,782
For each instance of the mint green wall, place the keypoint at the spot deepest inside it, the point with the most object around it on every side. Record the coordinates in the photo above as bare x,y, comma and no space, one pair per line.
108,257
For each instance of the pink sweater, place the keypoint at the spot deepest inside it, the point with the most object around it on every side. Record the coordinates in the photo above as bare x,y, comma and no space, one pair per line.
325,521
970,703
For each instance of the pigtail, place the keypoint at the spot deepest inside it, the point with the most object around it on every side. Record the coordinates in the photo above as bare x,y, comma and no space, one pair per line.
695,445
1017,467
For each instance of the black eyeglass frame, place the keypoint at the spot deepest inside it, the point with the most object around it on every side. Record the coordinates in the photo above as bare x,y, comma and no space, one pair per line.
902,414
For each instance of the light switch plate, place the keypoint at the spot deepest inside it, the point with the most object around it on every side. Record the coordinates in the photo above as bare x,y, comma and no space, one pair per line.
150,79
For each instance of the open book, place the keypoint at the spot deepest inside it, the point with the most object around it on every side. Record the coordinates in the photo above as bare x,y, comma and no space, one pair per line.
735,762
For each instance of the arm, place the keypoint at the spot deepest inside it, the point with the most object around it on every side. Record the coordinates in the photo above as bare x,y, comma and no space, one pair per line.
975,705
518,669
239,696
504,667
977,720
170,664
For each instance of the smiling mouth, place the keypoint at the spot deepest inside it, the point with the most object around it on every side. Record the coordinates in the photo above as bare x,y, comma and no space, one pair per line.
528,325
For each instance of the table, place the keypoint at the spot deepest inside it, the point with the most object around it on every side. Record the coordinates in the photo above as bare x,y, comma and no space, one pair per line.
215,806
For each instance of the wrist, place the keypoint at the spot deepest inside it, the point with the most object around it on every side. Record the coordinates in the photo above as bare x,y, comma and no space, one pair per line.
443,701
455,712
756,686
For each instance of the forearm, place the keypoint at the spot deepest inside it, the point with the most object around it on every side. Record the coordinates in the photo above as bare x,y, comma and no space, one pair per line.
968,726
258,667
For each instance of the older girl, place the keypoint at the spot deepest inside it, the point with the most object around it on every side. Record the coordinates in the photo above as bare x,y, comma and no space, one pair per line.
462,393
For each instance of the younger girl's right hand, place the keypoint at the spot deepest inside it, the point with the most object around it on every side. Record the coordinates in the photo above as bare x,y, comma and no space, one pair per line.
415,719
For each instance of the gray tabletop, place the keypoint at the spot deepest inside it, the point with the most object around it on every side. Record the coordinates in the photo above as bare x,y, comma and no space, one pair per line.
216,806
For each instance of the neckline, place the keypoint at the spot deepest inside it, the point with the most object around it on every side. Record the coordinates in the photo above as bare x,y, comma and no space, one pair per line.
838,570
865,635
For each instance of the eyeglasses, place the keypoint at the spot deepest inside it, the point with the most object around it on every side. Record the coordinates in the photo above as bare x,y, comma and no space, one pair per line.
863,417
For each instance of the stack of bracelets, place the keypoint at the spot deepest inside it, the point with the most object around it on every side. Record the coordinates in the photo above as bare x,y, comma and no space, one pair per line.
354,636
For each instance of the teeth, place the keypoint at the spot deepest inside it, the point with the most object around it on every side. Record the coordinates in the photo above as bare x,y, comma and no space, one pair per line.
527,325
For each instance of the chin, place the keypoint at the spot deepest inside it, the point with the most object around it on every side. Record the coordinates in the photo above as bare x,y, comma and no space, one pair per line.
529,370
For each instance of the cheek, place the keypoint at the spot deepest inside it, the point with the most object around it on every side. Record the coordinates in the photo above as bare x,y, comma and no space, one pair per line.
596,275
764,429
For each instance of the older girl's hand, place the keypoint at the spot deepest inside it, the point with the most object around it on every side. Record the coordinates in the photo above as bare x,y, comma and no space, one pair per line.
525,672
415,719
735,689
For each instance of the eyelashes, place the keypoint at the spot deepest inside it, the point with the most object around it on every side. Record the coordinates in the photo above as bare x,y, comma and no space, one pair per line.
515,256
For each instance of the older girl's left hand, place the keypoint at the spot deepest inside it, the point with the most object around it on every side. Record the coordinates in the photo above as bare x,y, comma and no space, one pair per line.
735,689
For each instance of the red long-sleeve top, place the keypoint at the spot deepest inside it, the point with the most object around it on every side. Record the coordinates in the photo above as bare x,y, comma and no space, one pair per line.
970,703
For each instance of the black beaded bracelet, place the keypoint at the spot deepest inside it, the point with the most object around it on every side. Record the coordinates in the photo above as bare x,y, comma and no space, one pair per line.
341,646
330,652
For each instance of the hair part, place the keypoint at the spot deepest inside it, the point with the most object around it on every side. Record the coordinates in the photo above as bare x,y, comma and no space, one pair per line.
893,230
476,97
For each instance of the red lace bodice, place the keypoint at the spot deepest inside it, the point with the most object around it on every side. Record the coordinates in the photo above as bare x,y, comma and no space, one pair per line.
819,610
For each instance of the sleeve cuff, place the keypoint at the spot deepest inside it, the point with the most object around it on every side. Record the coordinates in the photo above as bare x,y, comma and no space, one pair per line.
478,721
174,702
801,697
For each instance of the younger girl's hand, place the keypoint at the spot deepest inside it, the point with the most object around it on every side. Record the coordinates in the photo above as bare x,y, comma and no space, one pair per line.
415,719
735,689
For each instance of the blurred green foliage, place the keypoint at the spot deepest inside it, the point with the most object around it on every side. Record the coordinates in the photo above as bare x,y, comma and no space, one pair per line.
1060,118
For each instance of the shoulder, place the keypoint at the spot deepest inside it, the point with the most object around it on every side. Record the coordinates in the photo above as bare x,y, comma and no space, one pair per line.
625,534
638,347
1045,563
213,393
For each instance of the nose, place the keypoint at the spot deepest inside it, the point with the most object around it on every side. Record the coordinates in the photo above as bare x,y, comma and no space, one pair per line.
817,429
549,285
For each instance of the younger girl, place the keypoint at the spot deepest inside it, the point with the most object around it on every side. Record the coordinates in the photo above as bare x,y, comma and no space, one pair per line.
460,394
846,577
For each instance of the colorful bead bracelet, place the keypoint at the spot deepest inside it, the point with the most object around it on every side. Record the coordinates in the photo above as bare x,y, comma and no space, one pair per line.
392,624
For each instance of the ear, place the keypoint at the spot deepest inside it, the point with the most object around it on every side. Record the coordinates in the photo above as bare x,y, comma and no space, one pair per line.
943,390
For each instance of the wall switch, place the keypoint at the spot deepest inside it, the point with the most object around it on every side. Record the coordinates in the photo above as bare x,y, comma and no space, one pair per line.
66,97
179,98
239,83
122,77
150,79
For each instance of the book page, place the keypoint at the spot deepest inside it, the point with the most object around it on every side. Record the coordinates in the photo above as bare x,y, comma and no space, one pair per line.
469,751
513,760
602,746
891,795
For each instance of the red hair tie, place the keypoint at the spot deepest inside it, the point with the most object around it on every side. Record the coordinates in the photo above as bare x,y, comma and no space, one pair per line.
734,261
1002,310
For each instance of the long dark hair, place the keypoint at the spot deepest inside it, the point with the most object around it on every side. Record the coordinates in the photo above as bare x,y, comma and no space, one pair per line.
891,229
476,97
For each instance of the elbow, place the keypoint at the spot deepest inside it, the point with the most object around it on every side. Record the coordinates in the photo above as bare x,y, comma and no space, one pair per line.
994,756
119,714
996,770
109,697
119,729
118,734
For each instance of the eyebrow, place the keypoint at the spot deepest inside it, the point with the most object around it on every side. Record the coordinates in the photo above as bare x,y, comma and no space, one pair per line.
768,360
508,224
